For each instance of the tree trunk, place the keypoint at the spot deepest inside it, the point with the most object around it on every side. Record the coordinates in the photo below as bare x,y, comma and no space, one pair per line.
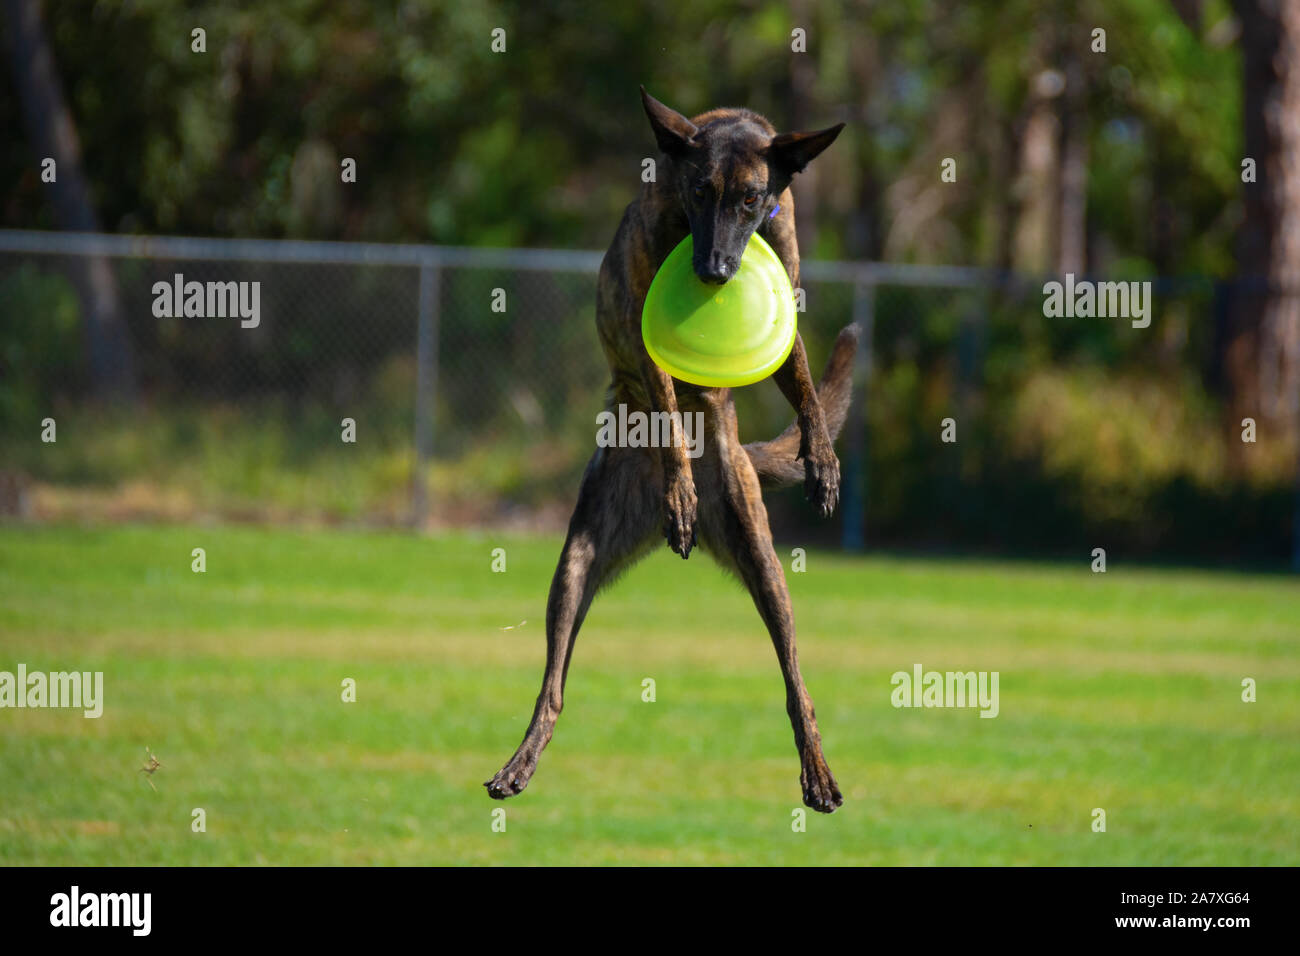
801,101
1036,192
1262,355
53,134
1036,189
1072,241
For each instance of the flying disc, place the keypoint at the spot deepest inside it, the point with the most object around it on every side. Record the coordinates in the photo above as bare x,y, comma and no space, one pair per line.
724,335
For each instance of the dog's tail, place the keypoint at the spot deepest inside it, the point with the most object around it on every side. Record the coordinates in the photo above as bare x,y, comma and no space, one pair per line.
777,461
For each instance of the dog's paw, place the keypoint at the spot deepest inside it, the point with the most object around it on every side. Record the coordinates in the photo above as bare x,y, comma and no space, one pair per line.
511,779
679,515
822,481
820,791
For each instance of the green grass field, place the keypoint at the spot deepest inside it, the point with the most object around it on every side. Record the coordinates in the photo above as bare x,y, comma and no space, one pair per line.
1120,691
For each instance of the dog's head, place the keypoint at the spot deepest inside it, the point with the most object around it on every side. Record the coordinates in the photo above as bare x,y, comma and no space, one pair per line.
729,173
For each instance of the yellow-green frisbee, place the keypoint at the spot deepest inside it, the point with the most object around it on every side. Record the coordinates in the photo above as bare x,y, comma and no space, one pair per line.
720,336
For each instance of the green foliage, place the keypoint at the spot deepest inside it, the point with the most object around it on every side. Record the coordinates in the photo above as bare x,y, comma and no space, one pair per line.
541,144
1115,442
41,345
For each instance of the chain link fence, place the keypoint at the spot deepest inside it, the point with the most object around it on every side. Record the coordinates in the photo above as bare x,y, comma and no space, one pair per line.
443,386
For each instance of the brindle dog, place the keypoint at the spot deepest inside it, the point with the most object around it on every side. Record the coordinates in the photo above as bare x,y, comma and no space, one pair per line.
722,176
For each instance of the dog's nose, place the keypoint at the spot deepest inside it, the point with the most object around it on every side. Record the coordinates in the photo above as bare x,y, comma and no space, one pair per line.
717,269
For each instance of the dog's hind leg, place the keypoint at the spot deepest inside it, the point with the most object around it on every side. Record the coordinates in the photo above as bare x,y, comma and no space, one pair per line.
735,532
614,524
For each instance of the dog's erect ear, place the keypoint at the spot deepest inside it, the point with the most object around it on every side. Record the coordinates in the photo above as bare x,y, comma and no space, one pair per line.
673,131
793,151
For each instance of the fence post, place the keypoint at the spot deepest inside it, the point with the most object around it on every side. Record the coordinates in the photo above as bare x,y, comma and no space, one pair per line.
1295,519
426,386
970,379
854,510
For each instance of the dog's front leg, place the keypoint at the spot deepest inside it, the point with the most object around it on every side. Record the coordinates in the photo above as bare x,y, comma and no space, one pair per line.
679,485
821,467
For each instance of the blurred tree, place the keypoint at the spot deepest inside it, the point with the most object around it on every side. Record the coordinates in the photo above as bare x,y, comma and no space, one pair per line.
52,135
541,144
1263,349
1066,157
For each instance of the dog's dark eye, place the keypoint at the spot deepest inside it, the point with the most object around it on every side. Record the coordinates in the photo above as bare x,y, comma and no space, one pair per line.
751,199
697,191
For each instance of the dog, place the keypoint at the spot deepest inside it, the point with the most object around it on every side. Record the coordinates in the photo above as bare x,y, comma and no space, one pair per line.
721,177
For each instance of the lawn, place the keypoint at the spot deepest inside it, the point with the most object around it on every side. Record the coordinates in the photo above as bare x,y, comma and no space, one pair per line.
1120,691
